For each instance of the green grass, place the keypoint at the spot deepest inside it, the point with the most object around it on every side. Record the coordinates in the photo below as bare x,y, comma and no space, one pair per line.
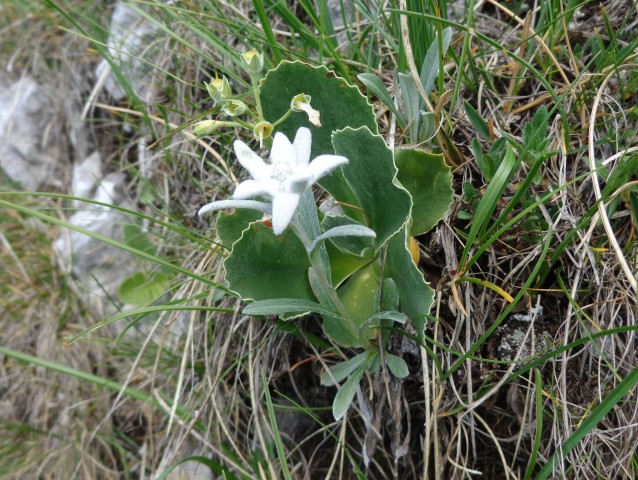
192,381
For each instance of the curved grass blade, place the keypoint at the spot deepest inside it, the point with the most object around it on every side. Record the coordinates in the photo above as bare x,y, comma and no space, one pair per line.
593,419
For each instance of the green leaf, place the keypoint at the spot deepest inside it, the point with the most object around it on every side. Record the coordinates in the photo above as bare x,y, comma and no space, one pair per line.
389,295
369,328
280,306
396,365
263,265
415,295
345,395
348,230
485,162
342,370
427,127
535,139
231,225
376,86
142,288
135,236
594,417
390,315
340,104
535,132
358,296
343,264
489,201
356,245
411,102
431,62
429,181
371,175
477,121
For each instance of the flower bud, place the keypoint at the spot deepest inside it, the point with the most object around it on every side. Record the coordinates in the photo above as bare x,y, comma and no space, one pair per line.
252,61
234,107
206,127
219,89
301,103
263,130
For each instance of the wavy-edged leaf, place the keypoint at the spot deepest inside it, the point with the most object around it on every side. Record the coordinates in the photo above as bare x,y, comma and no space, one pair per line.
231,225
263,265
339,103
429,180
415,295
371,175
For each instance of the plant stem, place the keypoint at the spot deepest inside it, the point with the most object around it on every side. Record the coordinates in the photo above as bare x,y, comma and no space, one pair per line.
255,81
319,269
283,118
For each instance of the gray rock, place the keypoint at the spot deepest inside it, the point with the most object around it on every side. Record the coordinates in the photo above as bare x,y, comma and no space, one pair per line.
131,36
29,149
98,268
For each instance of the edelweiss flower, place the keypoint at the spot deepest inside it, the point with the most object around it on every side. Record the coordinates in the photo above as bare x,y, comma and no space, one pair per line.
282,181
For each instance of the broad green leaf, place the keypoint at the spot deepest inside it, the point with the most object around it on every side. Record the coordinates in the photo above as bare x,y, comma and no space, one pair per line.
358,296
136,237
231,225
345,395
342,370
142,288
388,302
280,306
339,103
396,365
429,181
263,265
415,295
371,175
343,264
535,132
370,328
535,139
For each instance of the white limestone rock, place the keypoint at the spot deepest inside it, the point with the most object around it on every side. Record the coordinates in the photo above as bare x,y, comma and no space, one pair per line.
30,151
131,37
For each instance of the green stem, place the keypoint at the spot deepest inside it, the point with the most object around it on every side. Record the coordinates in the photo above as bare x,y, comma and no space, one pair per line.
255,81
283,118
242,123
317,265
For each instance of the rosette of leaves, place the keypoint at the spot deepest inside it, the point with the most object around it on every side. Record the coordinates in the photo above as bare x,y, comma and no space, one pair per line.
397,194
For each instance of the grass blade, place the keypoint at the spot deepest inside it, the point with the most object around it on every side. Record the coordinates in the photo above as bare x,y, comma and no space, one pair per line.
594,418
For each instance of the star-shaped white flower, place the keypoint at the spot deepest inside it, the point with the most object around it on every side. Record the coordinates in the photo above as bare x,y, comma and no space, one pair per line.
282,181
